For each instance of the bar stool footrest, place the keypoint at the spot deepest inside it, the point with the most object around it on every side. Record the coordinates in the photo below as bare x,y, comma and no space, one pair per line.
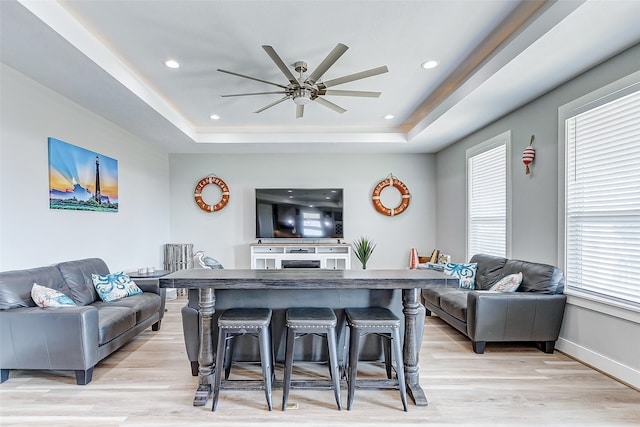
242,385
313,384
378,384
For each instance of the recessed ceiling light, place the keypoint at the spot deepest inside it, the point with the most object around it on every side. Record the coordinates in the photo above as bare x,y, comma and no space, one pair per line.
172,63
214,117
389,116
429,64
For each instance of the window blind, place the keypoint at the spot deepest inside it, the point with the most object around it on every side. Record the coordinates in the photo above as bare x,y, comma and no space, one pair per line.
487,202
602,213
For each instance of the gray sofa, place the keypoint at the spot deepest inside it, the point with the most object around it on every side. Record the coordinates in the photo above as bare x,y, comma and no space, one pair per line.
69,338
279,301
533,313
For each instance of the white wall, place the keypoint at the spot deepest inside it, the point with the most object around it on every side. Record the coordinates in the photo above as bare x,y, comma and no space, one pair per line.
226,234
33,235
609,342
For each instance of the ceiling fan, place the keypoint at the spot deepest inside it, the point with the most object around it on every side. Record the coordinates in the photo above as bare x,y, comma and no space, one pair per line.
306,88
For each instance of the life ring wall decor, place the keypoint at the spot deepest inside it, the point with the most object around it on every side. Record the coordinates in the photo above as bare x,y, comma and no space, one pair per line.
404,191
197,193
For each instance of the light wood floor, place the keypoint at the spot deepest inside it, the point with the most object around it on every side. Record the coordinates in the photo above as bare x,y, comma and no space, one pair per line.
148,382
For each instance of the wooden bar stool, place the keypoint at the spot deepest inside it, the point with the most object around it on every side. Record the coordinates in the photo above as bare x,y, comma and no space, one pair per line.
232,324
380,321
320,321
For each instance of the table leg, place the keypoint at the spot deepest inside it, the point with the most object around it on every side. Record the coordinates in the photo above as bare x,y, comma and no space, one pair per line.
411,305
207,301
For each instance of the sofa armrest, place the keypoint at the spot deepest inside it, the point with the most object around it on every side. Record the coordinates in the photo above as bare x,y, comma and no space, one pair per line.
153,285
514,316
49,338
149,285
191,331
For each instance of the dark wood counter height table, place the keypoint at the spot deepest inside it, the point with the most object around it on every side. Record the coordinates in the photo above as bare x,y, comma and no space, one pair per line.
207,281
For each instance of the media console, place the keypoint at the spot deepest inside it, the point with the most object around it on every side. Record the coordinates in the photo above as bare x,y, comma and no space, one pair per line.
332,256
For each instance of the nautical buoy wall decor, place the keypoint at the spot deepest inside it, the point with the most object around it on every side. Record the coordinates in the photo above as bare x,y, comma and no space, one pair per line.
391,181
197,193
528,156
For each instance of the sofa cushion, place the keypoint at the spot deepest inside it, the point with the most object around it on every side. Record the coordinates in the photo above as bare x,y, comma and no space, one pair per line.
489,270
47,297
78,273
112,287
434,294
455,303
466,273
508,283
144,305
15,286
114,321
536,277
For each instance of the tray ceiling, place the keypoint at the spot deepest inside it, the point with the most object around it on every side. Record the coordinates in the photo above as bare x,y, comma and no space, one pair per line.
493,56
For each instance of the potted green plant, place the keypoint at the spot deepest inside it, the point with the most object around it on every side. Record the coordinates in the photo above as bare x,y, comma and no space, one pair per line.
363,248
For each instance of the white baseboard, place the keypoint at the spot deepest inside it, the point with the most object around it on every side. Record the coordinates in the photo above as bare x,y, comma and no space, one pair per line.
609,366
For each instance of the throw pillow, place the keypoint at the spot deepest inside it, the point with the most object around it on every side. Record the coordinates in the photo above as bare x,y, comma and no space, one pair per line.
47,297
466,273
508,283
111,287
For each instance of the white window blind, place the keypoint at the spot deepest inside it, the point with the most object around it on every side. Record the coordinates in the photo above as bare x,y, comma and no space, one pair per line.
487,201
602,213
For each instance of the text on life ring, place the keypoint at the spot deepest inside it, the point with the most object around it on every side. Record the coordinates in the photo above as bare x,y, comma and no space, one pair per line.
404,191
197,194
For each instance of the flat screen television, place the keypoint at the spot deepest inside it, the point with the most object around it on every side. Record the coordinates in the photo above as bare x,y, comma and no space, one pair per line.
311,213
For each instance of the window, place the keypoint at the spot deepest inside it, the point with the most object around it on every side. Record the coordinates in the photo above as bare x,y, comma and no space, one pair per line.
487,197
311,225
602,195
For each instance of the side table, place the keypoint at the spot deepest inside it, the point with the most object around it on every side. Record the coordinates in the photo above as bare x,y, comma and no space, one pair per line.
152,277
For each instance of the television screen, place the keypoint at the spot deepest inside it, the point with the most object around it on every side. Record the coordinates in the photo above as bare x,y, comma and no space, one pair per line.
299,213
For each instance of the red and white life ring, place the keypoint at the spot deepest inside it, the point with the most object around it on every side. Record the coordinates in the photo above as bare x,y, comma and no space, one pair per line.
197,193
404,191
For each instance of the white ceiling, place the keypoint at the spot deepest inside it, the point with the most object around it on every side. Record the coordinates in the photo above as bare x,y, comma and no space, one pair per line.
494,55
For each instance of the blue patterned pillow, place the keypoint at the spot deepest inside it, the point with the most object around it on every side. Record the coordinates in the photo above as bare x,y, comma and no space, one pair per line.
466,273
47,297
111,287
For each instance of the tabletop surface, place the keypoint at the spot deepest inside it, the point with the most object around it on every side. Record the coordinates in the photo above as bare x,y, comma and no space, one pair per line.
305,278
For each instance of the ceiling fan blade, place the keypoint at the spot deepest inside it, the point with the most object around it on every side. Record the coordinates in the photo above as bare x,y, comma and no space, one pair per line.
251,78
329,105
322,68
255,93
299,111
361,93
280,63
351,77
273,103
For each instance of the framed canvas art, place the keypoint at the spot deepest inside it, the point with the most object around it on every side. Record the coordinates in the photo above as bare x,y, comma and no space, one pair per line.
80,179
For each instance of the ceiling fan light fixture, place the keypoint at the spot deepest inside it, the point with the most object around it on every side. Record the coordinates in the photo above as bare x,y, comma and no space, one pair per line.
302,96
301,101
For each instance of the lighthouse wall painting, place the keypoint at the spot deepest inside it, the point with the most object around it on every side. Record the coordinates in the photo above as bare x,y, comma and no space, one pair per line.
80,179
